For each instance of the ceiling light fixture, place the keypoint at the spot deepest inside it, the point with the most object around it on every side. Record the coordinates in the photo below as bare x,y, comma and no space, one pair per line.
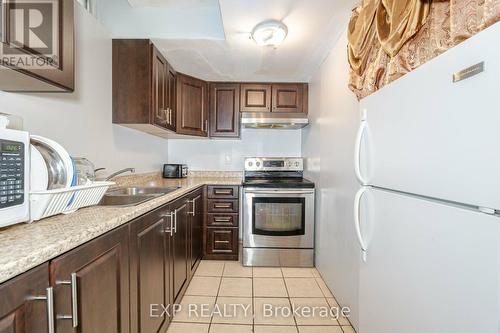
269,33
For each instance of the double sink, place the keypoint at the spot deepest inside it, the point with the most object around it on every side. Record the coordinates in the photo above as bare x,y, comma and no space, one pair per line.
133,196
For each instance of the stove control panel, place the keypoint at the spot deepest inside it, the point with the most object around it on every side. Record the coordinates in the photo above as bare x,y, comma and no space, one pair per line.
274,164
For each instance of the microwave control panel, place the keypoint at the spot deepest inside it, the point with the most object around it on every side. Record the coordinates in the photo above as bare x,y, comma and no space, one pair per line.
11,173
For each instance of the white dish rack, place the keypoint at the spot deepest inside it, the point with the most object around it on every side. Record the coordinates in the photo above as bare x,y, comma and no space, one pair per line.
66,200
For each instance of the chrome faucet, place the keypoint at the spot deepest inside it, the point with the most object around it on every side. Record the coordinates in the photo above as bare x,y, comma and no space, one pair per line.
113,175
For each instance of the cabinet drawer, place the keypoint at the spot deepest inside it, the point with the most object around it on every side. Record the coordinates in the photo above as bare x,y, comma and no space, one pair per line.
222,220
223,206
222,241
223,192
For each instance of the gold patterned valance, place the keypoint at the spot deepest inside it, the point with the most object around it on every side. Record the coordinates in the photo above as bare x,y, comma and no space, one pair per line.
389,38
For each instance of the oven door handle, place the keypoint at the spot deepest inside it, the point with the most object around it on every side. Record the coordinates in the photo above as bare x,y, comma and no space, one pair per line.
279,192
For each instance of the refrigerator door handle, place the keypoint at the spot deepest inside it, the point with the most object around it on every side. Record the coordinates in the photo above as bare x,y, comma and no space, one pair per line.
357,221
357,153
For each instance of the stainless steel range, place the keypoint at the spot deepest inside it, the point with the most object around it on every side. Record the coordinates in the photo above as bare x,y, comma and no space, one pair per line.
278,213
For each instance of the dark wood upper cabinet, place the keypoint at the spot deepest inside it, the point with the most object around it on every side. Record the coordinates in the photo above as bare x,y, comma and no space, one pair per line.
192,106
255,97
224,110
274,97
91,285
57,72
288,97
150,262
23,305
159,97
143,87
171,98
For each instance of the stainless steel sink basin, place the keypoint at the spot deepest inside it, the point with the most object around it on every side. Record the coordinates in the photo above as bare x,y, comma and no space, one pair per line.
133,191
133,196
124,200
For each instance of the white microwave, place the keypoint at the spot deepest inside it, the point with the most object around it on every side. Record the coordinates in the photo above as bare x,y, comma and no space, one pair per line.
14,176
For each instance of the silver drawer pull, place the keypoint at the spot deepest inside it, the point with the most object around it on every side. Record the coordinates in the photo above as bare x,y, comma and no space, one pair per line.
74,300
50,307
223,191
222,205
218,219
224,242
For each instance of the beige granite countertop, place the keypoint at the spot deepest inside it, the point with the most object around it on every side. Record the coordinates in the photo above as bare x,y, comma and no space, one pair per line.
25,246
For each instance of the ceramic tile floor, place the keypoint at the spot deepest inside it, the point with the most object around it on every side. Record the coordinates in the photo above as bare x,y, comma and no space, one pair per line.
245,292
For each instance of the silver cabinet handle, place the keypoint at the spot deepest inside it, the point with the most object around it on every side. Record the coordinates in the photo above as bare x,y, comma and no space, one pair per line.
170,229
74,300
166,116
194,207
4,20
175,221
50,307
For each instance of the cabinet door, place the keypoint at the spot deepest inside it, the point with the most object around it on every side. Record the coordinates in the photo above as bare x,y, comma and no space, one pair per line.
288,98
180,246
171,98
255,98
149,272
159,96
196,227
192,106
49,58
224,110
20,312
91,285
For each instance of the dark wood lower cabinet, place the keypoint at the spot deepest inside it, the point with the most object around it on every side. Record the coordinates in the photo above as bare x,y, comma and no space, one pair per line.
222,243
122,281
22,307
195,227
222,223
180,246
91,285
150,261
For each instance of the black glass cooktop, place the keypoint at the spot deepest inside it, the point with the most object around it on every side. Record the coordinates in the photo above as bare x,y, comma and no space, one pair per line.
278,182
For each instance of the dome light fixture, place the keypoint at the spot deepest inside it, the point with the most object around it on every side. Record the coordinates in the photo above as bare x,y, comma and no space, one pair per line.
269,33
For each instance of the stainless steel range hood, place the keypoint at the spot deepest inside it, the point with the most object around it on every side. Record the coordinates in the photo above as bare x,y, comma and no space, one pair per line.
274,120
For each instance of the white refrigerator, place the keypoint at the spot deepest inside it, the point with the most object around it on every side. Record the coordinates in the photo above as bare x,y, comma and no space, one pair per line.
427,212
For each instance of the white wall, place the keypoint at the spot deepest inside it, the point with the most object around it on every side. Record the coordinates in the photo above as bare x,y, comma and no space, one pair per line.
328,146
81,121
216,155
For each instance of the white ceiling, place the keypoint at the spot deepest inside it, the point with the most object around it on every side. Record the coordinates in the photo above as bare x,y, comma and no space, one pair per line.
219,48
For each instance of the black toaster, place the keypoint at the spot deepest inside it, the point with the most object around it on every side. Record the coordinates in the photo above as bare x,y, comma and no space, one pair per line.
175,171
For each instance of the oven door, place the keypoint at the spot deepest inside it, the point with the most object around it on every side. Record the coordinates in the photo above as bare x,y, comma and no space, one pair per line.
278,218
